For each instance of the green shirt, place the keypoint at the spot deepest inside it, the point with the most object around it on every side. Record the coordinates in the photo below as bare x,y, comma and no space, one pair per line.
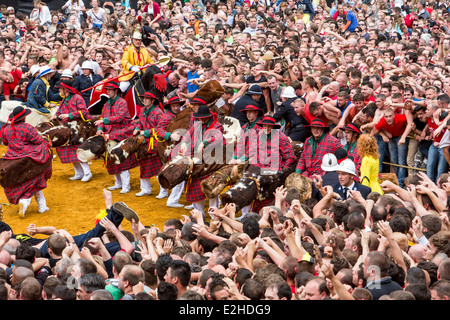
116,292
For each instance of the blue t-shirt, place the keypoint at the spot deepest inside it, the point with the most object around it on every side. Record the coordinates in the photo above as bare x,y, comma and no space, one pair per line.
191,87
353,21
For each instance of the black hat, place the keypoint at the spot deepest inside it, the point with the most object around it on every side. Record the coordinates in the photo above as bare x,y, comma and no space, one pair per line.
251,107
112,85
352,127
174,99
255,89
18,114
198,100
341,154
203,112
269,121
67,84
319,124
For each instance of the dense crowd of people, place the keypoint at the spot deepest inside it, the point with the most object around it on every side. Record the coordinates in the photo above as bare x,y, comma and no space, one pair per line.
363,85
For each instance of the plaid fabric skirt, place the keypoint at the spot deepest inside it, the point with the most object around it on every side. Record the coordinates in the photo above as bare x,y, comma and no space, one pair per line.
149,167
68,154
128,164
194,191
259,204
28,189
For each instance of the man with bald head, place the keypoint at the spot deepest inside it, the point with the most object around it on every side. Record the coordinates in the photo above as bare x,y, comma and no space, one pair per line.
5,258
19,274
416,252
331,90
173,82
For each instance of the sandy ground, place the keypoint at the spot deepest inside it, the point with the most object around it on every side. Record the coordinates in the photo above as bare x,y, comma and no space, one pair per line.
74,205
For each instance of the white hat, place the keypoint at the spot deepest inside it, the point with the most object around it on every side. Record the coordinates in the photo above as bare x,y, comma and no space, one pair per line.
34,69
136,35
45,70
87,65
67,73
289,92
329,162
347,166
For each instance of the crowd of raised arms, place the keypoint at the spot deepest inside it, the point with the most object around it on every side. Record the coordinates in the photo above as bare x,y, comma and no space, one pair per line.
362,86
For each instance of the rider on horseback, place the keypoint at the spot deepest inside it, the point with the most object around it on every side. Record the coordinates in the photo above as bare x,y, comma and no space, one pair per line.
134,57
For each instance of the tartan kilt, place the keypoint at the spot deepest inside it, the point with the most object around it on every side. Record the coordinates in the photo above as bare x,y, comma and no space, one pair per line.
149,166
194,191
28,189
128,164
259,204
68,154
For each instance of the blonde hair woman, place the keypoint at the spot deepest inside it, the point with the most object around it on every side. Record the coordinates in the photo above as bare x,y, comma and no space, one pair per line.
368,150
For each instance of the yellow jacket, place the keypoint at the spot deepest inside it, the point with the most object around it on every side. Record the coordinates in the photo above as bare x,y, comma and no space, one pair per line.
131,57
369,173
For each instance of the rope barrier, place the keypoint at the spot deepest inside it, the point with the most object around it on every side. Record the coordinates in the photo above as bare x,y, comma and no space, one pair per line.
402,166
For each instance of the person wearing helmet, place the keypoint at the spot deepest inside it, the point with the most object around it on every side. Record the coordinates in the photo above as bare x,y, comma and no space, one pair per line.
329,166
330,163
67,74
295,125
347,184
134,57
40,97
86,80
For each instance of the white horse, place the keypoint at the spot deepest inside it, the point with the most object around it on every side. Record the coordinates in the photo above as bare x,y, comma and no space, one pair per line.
34,118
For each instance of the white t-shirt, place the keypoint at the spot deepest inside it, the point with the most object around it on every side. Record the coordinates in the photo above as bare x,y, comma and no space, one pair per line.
76,7
97,18
445,140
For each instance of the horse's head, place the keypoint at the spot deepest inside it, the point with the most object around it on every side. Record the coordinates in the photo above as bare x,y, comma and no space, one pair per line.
154,80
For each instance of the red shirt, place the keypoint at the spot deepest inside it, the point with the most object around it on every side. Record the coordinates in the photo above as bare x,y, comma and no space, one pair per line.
8,87
368,99
397,128
309,117
433,126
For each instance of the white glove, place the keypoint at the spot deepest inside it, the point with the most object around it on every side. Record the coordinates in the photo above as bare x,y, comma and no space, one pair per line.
135,69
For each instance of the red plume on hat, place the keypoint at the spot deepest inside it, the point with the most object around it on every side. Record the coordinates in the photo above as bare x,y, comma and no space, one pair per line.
160,80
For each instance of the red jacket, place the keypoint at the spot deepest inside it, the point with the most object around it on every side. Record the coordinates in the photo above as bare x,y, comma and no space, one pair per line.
309,165
23,140
73,104
274,153
117,121
210,134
